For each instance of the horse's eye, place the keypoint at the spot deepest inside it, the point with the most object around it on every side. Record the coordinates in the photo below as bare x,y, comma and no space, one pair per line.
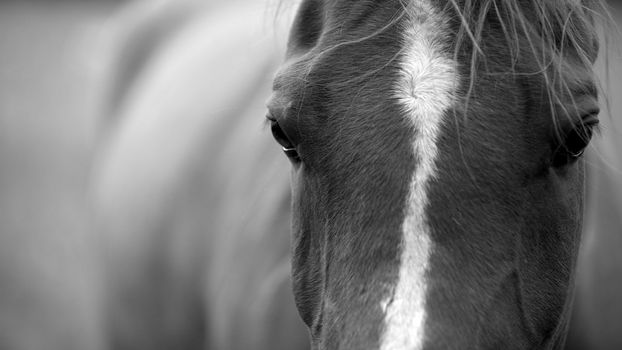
288,146
574,142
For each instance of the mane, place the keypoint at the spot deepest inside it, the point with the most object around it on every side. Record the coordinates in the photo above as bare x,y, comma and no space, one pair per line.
552,29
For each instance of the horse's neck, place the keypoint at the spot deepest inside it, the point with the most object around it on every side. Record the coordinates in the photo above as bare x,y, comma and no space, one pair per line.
186,167
205,76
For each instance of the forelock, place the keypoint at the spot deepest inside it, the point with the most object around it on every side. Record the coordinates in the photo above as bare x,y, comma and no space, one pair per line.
550,31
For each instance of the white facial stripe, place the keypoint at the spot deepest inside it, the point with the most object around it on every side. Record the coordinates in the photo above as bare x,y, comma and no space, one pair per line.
425,91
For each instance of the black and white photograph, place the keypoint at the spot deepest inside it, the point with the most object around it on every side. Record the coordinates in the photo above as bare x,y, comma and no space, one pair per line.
310,175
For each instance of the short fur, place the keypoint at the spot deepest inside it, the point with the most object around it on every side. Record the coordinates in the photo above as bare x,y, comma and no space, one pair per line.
505,218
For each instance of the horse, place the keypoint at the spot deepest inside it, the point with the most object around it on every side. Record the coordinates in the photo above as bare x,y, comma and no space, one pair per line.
438,196
435,154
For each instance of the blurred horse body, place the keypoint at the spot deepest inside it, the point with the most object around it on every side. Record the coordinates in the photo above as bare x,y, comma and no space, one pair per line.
49,281
192,200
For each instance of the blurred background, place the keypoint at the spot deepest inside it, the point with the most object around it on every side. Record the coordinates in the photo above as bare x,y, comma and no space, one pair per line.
51,53
58,60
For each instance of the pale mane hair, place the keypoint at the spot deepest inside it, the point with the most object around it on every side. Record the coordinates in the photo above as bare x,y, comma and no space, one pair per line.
553,30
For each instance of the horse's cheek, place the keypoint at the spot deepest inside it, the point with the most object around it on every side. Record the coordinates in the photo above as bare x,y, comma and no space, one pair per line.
305,246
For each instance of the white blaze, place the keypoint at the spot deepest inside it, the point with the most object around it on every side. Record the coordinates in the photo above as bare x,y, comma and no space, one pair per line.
425,91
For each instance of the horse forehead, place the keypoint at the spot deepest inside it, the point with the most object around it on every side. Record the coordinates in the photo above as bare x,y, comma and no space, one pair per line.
359,48
358,11
333,36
